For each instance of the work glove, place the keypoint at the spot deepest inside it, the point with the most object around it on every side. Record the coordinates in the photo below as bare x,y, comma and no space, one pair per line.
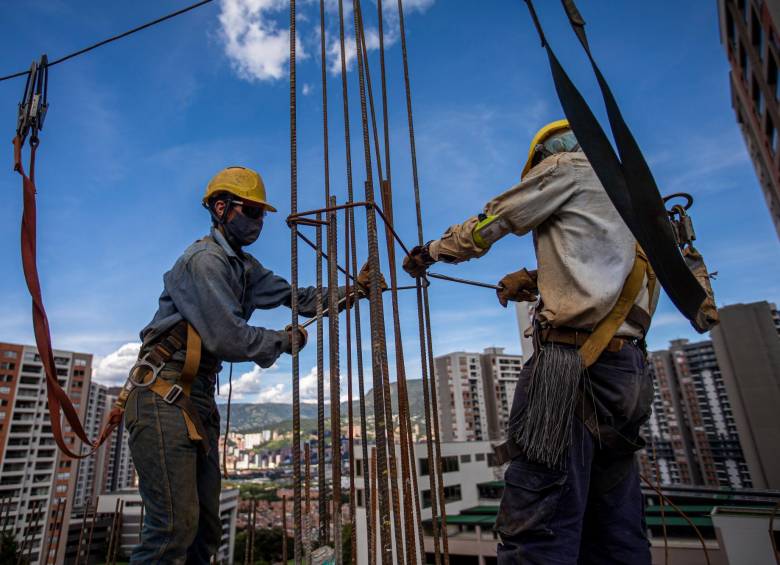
418,261
303,337
519,286
363,280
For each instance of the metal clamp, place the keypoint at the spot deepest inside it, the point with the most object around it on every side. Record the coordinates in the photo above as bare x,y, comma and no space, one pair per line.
34,103
173,394
144,363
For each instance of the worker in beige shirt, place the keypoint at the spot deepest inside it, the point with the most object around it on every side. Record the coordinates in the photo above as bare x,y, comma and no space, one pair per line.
570,496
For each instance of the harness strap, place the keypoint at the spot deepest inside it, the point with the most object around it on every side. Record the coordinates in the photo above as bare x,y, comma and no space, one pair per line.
174,395
606,329
627,178
192,359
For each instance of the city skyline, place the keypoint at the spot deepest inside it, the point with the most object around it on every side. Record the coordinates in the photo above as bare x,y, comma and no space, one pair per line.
494,113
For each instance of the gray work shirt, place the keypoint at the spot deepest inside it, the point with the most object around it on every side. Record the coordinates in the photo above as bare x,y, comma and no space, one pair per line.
216,290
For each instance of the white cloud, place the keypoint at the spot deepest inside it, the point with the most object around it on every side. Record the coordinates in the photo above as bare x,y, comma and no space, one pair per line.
307,89
250,387
112,369
255,44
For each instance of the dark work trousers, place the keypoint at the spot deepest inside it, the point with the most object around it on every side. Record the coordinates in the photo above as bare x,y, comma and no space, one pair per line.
591,511
178,482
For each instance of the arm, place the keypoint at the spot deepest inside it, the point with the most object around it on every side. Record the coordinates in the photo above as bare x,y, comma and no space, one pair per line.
518,210
269,290
201,291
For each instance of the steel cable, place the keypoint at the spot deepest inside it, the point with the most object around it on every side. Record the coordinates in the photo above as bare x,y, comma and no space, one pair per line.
113,38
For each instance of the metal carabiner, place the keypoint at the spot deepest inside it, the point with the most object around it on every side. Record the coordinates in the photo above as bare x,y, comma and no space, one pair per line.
144,363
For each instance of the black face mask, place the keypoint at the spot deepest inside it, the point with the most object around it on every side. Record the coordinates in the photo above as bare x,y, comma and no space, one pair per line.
243,231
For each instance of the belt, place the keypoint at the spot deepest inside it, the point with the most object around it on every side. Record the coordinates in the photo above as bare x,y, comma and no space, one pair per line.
570,336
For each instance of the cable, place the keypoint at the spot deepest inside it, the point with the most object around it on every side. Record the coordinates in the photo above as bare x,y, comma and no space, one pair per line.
114,38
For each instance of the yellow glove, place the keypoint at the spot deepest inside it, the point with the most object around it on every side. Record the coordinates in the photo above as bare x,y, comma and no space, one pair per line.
519,286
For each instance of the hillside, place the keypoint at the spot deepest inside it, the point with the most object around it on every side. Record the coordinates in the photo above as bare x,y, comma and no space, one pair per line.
247,418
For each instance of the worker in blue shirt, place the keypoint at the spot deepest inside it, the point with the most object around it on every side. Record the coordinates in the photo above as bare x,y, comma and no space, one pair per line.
202,320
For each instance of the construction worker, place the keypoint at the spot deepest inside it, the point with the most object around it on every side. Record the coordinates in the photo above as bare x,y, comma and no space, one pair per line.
171,415
572,492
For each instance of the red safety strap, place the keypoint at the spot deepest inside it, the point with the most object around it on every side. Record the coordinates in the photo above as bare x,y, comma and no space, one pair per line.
58,400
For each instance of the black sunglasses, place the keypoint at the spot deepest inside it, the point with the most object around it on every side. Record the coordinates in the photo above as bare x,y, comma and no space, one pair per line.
250,211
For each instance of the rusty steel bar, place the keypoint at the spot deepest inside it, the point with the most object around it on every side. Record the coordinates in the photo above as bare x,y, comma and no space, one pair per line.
435,418
335,381
284,531
330,261
350,222
247,537
82,534
428,426
294,219
322,502
376,314
403,401
307,502
51,535
350,415
462,281
296,448
120,523
91,525
392,468
371,469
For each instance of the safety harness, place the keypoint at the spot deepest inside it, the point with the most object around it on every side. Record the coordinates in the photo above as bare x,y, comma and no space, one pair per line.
590,346
145,374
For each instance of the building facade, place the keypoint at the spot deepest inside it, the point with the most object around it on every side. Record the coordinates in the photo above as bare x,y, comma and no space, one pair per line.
37,482
462,410
747,345
748,32
692,434
475,392
110,468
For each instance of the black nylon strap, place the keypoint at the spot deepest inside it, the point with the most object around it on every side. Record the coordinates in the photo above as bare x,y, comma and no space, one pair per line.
627,180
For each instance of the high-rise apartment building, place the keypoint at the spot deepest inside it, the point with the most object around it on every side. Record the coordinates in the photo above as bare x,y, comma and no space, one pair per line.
475,393
747,346
501,372
748,32
110,468
692,431
36,478
462,410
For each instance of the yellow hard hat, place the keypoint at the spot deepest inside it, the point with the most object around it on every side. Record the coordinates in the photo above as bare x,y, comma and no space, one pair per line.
242,182
541,136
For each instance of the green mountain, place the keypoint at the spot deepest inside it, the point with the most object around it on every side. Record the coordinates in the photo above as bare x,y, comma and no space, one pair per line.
247,418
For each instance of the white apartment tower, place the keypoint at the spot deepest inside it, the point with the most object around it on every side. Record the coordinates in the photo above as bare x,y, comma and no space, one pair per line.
36,480
475,392
111,467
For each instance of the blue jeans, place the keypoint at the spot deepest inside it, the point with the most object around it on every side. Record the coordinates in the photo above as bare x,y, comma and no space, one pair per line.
178,482
591,511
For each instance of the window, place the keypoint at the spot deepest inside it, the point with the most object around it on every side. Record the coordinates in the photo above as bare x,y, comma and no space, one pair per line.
8,366
10,354
5,389
465,458
452,493
36,369
449,464
479,457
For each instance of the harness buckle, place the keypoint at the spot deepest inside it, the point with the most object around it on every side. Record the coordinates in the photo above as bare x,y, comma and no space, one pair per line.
142,362
173,394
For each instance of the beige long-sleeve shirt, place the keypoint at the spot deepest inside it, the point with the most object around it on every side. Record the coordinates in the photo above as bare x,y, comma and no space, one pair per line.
584,250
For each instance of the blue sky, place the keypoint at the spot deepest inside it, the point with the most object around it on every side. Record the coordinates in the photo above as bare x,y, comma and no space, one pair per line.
136,129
